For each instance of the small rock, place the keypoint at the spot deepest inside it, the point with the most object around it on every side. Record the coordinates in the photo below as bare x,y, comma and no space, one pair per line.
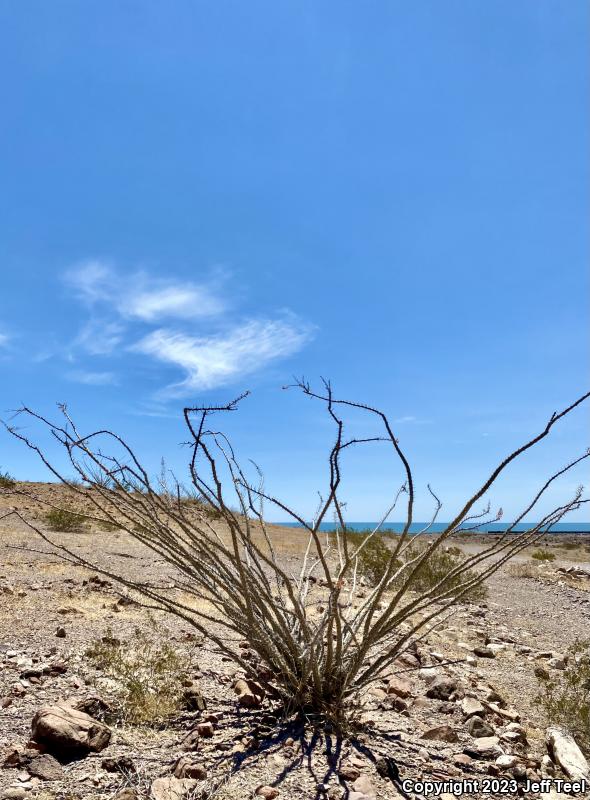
541,672
268,792
250,694
191,740
514,732
443,688
205,729
399,687
556,663
14,793
171,788
443,733
486,747
387,768
61,632
472,707
126,794
119,764
563,749
185,768
506,762
46,767
364,787
193,700
484,652
479,728
348,772
65,730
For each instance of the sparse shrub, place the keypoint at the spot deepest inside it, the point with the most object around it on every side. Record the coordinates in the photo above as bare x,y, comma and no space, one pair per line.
524,570
149,674
374,556
565,696
453,550
543,555
60,519
6,481
438,566
568,546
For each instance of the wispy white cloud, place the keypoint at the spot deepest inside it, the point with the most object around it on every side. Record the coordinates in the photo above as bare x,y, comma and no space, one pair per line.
100,337
138,295
93,378
212,361
411,420
180,323
4,339
184,301
92,281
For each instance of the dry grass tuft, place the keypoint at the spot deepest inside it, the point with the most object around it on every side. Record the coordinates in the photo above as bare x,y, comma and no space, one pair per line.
524,569
150,675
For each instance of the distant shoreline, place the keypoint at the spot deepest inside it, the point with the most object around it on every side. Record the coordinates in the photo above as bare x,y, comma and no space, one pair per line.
562,528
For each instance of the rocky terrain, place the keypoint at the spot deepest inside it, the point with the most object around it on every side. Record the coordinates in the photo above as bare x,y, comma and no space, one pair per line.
458,707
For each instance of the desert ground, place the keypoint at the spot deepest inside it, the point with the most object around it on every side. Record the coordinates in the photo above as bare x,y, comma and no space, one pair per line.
52,615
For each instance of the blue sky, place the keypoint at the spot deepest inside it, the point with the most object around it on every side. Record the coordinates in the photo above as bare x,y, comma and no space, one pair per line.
200,198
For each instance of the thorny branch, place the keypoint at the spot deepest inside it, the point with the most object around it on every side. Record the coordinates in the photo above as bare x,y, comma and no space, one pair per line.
319,637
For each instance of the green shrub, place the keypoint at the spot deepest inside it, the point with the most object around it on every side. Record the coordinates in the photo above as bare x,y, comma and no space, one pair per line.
543,555
6,481
565,696
374,556
150,675
437,566
60,519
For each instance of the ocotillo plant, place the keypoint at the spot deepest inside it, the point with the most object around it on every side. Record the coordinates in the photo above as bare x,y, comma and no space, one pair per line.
319,639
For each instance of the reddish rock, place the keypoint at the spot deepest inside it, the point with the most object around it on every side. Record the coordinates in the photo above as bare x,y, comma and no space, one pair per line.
205,729
185,768
442,733
399,687
65,730
268,792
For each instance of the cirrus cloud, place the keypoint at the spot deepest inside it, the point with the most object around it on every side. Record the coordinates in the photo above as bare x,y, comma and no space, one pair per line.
138,295
212,361
180,323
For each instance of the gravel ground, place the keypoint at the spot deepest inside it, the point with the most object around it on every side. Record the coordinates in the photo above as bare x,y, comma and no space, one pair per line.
40,594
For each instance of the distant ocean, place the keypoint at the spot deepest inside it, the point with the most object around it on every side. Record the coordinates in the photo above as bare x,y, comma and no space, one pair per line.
495,527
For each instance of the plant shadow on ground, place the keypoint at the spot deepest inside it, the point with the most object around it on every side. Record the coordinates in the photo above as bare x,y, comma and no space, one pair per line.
312,741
